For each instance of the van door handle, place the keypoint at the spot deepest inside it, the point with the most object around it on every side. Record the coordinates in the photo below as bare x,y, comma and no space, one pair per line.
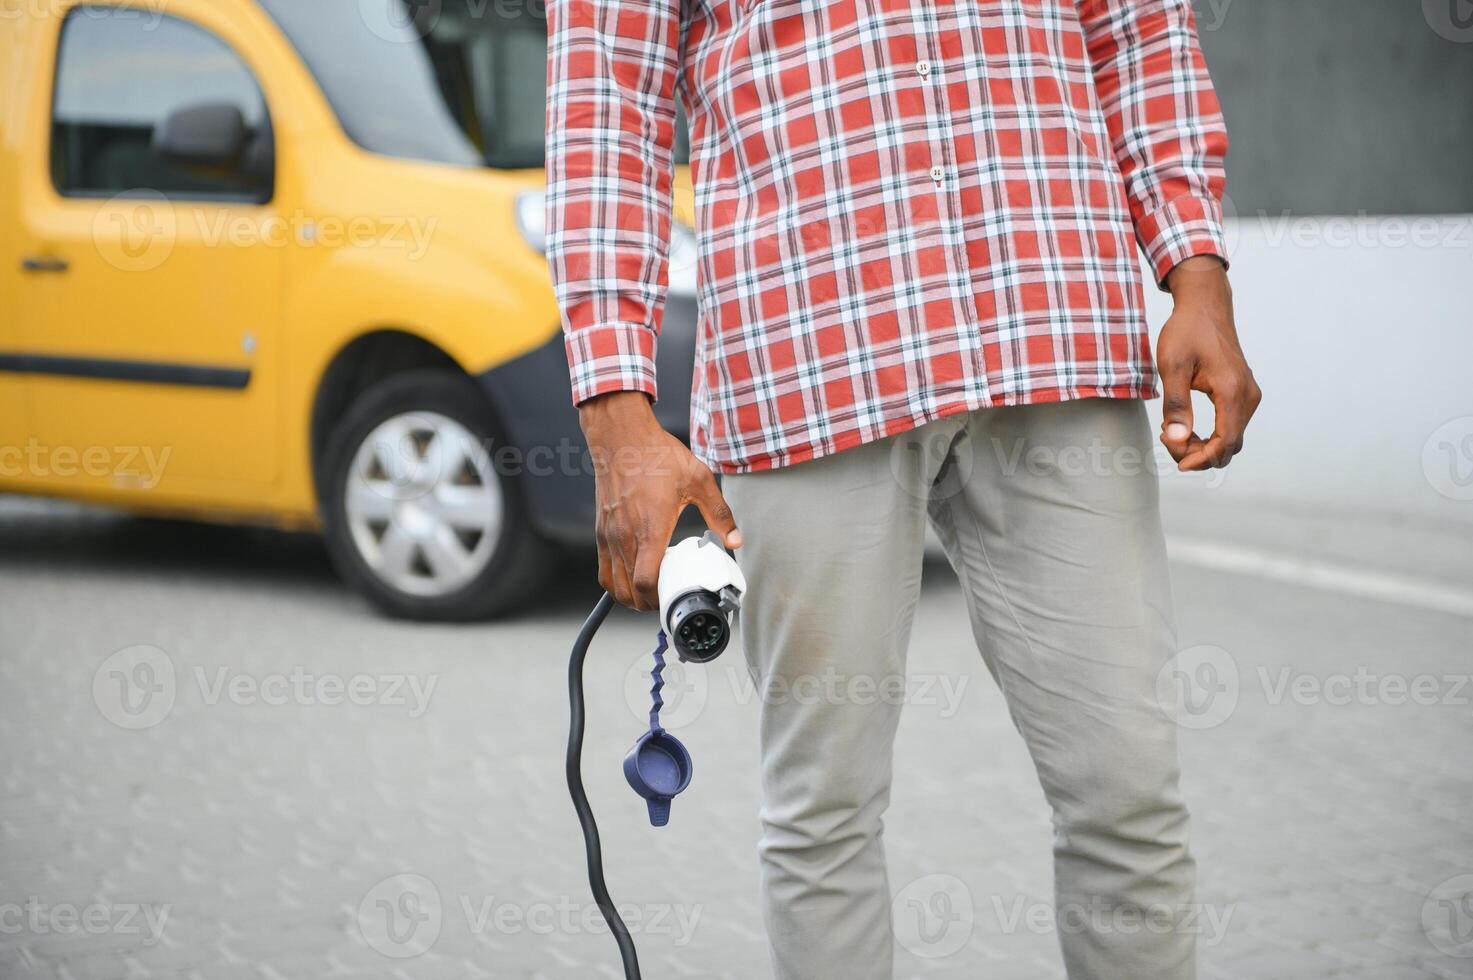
34,263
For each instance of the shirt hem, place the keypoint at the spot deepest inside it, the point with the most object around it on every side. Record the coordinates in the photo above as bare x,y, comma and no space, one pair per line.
853,438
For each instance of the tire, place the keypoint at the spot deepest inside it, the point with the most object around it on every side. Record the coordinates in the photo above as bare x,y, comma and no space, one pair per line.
418,519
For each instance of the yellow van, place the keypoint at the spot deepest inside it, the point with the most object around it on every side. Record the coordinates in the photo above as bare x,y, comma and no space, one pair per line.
282,260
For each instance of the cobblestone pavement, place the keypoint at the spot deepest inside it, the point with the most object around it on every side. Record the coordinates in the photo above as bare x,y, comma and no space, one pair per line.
217,765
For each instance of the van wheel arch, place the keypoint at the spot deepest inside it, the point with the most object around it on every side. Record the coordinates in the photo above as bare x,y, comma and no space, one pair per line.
361,364
384,377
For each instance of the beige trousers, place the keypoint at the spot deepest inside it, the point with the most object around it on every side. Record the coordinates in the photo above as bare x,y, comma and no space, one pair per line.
1050,519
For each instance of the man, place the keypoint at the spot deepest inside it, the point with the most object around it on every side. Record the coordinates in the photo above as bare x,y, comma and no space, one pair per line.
920,299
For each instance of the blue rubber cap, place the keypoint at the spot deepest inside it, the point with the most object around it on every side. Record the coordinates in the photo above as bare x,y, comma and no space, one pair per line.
658,768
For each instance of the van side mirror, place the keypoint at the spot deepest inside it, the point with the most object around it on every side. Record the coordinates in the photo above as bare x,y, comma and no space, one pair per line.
207,134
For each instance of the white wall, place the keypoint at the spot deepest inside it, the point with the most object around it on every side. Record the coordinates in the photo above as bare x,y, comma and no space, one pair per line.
1360,332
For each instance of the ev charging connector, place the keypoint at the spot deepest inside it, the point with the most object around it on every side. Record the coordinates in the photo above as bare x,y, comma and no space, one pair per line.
700,587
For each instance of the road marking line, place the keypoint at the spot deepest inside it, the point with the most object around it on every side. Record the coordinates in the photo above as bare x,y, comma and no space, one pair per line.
1368,583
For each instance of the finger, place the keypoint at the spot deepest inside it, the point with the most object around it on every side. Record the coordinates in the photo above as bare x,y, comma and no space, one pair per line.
1206,457
623,590
1230,406
1176,410
706,495
1195,457
628,552
605,563
647,564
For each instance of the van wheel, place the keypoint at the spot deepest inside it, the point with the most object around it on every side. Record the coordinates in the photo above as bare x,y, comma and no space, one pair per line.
418,519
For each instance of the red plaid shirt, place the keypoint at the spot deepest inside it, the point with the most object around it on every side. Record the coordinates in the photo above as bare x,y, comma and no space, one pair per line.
905,209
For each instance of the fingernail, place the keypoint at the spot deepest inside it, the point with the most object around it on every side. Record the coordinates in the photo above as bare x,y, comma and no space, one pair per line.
1177,432
734,539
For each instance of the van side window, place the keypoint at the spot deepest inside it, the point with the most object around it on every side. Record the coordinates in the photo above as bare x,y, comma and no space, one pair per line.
121,75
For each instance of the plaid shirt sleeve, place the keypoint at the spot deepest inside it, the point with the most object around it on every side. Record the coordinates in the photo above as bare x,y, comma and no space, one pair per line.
1165,123
612,68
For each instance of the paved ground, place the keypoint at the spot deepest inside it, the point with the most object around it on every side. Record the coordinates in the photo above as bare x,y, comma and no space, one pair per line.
216,765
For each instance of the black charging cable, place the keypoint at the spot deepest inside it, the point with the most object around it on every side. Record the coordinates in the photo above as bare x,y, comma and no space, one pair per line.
591,846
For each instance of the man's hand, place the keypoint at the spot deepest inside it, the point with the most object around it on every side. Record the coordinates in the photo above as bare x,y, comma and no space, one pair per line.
1199,350
645,478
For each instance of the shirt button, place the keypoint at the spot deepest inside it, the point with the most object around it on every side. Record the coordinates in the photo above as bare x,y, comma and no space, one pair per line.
937,174
923,68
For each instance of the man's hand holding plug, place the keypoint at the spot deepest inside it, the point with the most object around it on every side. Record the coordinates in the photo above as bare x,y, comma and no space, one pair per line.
646,478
